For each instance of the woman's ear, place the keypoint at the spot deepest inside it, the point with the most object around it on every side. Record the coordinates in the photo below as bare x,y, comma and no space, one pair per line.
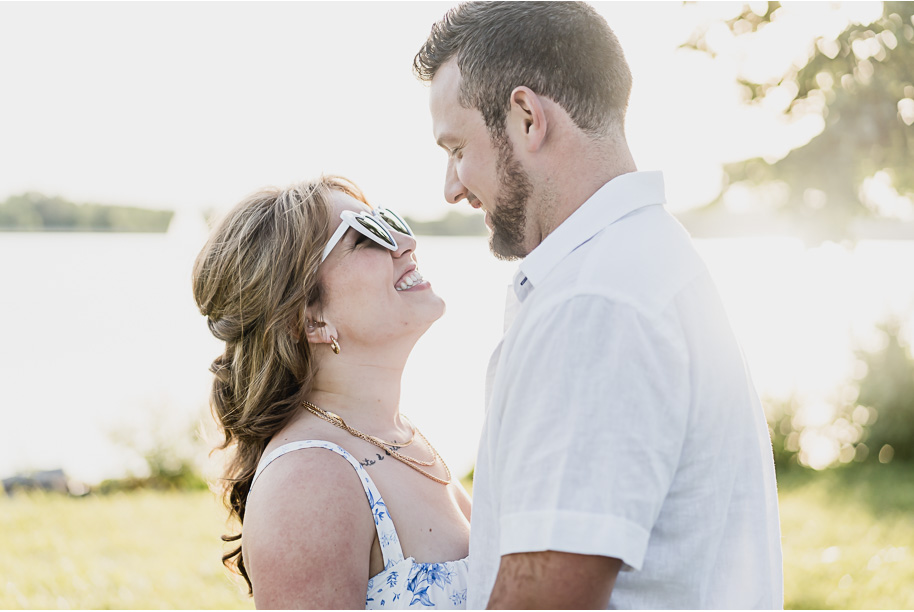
317,331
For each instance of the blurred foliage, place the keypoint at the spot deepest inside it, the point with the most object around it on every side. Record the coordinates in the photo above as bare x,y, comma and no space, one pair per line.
166,474
784,431
868,420
454,223
171,459
36,212
801,437
863,85
467,481
888,389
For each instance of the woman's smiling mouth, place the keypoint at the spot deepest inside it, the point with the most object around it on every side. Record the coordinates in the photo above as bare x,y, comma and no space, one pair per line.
409,280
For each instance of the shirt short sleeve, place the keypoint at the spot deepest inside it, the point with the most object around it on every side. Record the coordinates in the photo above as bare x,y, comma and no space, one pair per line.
595,409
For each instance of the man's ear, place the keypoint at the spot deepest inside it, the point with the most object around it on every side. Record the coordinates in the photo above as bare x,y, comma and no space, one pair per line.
528,118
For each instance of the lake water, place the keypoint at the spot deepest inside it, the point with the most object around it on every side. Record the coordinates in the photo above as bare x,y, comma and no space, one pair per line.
101,340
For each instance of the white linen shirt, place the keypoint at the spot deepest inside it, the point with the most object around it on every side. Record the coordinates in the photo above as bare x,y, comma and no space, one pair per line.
621,419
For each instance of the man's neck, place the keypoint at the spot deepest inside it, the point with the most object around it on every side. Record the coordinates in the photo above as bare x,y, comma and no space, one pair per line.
578,176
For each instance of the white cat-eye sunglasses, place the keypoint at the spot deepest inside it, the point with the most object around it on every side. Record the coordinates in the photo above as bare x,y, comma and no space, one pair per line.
375,225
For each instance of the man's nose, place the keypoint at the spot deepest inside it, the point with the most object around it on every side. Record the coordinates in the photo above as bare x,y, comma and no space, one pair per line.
454,190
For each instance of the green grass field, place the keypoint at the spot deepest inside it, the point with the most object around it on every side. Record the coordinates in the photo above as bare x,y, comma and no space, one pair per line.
848,544
134,550
848,538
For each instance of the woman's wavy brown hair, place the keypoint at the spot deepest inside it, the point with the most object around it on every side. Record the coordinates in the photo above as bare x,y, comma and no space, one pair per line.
253,280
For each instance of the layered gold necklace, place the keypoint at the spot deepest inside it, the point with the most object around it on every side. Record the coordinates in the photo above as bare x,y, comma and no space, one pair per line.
388,447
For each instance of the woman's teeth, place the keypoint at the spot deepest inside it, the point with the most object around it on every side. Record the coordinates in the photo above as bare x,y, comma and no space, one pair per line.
410,280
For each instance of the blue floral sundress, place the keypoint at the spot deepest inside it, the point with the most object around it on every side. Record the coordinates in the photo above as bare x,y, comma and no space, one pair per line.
403,583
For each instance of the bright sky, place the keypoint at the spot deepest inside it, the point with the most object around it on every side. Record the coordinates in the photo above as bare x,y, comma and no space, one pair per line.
194,105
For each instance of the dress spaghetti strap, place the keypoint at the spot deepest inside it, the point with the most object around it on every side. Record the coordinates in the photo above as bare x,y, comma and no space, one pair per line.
391,551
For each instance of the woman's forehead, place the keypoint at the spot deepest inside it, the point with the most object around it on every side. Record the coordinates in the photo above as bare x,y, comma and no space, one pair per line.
344,201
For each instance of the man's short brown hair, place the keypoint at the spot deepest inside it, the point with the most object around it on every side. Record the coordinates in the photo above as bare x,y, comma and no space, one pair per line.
564,51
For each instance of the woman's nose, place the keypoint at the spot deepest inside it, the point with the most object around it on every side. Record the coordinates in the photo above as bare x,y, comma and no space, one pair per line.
405,244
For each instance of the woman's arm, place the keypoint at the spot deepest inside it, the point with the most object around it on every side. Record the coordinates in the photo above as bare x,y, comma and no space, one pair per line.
308,533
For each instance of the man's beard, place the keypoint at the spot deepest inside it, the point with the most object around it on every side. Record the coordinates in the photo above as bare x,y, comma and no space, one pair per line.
509,215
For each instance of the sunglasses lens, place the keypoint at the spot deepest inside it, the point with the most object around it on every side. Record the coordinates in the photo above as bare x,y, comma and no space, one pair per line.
393,219
382,236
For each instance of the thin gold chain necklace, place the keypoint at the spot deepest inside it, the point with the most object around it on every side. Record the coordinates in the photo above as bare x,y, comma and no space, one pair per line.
337,421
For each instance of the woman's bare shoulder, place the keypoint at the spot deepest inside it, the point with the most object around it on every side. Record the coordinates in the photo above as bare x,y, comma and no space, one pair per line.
308,515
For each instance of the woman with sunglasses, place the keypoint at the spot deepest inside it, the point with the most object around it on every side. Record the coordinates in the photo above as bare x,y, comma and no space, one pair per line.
343,502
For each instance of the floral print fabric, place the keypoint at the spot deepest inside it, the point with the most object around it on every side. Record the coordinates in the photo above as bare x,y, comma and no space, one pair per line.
419,585
403,583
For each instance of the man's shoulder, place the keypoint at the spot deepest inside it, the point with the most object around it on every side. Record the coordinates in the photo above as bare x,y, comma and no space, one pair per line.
644,260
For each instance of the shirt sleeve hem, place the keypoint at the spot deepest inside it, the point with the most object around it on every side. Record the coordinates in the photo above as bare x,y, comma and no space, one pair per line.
574,532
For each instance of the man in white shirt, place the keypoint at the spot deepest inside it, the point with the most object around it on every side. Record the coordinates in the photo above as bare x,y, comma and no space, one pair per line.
625,460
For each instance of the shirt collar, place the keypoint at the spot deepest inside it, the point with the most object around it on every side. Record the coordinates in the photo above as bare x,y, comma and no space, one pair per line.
613,201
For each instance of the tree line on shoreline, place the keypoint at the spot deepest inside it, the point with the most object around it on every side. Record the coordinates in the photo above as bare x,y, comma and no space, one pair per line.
34,211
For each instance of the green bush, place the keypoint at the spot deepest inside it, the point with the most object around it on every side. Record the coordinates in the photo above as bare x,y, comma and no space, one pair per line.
164,476
174,456
871,418
888,389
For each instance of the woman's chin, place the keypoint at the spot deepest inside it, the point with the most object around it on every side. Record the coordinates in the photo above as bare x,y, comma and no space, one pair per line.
442,309
436,311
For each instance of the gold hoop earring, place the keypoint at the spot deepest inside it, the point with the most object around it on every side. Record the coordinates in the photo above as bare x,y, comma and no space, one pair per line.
334,345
